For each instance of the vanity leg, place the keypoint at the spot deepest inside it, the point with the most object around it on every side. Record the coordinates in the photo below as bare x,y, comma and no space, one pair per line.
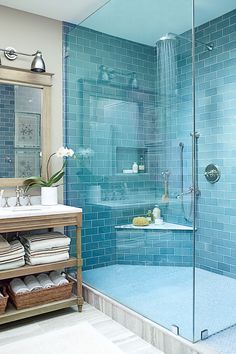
79,265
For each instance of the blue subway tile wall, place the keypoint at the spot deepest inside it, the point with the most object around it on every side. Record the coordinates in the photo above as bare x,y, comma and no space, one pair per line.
149,247
98,117
110,125
7,130
215,120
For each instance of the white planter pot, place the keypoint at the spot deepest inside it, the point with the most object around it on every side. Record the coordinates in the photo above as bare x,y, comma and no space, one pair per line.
49,196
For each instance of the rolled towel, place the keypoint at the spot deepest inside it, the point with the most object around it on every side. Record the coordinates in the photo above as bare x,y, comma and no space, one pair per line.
57,278
18,286
45,281
32,283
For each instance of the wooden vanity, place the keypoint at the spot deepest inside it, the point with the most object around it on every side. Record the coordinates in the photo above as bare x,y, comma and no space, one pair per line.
42,217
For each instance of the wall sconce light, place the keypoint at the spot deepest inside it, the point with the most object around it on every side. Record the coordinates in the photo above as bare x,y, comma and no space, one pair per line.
107,74
37,64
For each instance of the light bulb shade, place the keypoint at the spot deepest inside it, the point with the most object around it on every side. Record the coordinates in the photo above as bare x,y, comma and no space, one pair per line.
38,64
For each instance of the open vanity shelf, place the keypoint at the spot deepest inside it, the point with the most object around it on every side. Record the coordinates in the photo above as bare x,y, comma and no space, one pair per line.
35,218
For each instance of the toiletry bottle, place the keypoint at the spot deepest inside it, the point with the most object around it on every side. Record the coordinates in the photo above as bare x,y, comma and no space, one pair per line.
156,212
141,167
149,216
135,167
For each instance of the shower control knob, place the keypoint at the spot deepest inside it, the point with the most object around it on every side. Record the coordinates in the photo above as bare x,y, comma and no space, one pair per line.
212,173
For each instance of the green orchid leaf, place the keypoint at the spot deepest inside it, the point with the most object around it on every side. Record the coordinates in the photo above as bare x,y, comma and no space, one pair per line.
37,181
33,182
55,178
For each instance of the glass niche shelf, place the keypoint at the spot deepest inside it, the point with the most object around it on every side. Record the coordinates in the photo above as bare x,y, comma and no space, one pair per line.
126,156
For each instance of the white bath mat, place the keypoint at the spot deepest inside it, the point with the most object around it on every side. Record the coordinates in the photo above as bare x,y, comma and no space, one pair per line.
79,339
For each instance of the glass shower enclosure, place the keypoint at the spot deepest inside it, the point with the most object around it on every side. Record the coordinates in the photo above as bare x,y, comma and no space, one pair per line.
149,108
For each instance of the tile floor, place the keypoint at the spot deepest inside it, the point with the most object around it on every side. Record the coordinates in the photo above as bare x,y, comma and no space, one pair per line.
224,342
170,300
127,341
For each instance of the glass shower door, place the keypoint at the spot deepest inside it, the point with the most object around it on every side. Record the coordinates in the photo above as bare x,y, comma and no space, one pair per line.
129,100
215,62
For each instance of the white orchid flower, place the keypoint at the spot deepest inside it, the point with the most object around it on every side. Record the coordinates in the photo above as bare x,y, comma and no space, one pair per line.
61,152
69,152
56,177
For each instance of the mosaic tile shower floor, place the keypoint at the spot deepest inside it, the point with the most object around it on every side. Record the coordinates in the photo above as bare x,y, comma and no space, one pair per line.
224,342
165,295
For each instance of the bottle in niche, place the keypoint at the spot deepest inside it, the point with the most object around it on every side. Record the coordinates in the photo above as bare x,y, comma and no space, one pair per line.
156,213
141,167
135,167
149,216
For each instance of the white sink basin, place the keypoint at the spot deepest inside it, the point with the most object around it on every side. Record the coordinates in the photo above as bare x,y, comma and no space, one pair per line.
23,209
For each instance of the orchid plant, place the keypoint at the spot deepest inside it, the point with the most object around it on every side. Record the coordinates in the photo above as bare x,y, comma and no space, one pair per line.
37,181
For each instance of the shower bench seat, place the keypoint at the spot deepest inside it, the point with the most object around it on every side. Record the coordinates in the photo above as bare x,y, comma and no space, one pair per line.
157,245
165,226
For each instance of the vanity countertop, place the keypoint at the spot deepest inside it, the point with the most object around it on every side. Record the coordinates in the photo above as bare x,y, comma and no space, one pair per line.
37,210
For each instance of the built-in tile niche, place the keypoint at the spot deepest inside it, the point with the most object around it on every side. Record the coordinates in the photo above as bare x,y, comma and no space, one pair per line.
126,156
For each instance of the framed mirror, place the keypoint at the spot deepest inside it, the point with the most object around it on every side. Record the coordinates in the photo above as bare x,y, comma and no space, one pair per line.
25,100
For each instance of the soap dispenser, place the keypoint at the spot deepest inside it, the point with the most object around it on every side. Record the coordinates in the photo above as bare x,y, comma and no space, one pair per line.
135,167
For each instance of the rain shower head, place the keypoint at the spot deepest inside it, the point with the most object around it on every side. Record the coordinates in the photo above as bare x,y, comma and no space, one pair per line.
171,36
168,36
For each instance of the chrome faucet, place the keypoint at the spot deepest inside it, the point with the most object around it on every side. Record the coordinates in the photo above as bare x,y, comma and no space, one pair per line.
19,192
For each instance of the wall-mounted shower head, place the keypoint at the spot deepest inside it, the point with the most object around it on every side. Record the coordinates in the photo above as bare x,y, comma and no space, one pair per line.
181,145
171,36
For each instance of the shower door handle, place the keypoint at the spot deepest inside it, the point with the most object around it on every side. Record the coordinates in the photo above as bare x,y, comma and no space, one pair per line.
189,191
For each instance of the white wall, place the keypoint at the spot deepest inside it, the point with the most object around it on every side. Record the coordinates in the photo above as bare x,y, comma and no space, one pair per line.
28,33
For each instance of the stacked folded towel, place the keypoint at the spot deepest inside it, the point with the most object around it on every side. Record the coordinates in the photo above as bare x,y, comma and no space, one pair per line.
46,248
35,283
11,254
4,245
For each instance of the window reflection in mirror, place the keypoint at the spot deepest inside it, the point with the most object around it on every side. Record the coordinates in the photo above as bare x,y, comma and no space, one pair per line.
20,130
